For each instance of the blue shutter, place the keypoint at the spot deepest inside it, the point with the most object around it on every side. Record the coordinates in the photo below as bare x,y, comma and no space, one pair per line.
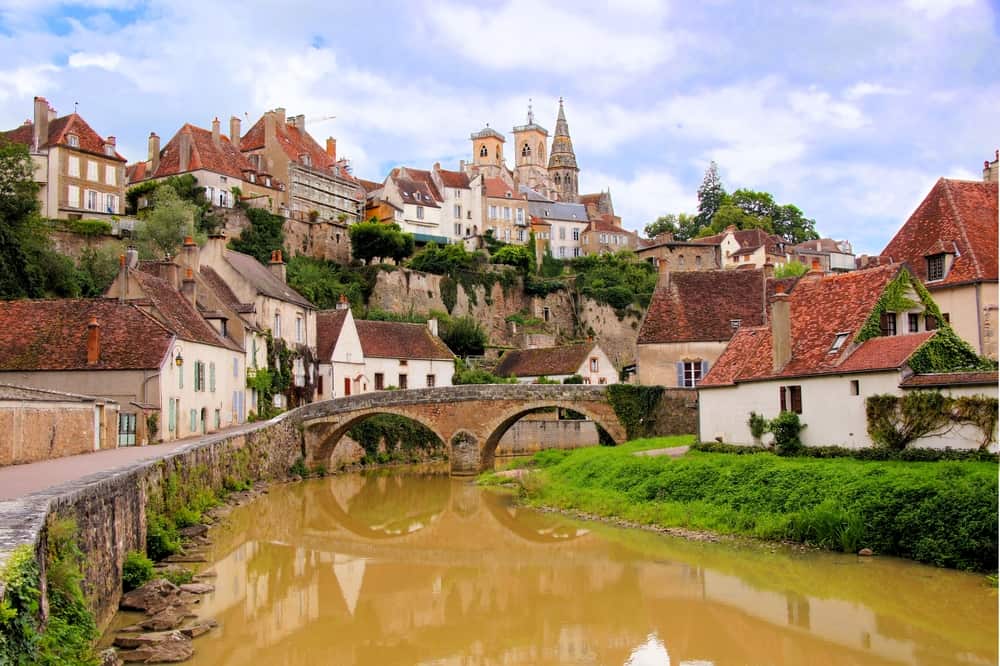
704,369
680,373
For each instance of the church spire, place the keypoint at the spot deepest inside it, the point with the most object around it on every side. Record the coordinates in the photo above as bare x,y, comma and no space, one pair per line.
562,160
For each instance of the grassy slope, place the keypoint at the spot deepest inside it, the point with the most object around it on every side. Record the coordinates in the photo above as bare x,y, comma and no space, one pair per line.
939,513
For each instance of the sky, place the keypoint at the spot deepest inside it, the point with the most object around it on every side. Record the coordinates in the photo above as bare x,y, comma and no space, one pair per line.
849,110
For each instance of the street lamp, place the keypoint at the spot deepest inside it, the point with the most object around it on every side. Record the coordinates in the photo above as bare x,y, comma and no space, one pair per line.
178,359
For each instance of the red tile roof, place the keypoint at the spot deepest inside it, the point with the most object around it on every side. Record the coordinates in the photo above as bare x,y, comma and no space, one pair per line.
565,360
884,352
59,129
421,176
957,216
496,187
328,326
176,313
390,339
294,144
222,158
454,179
52,335
136,172
416,192
369,185
700,305
951,379
607,223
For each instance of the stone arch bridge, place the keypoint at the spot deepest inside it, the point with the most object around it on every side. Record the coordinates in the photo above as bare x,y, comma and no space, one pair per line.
469,419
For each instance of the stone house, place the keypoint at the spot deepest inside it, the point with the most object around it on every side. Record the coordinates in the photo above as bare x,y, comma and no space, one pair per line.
690,320
217,164
670,255
417,202
833,256
340,355
806,360
605,234
558,363
40,425
568,223
950,242
102,347
748,247
79,173
404,355
505,212
318,184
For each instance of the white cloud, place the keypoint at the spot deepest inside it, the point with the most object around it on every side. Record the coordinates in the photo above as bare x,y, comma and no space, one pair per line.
644,196
935,9
25,81
109,60
864,89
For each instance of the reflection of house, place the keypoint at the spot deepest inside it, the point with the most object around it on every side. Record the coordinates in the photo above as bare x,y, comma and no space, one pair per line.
341,358
950,242
558,363
807,361
404,355
39,424
690,319
79,173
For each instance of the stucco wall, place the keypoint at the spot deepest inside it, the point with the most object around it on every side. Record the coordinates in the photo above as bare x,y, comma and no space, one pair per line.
657,363
230,379
32,431
972,310
416,371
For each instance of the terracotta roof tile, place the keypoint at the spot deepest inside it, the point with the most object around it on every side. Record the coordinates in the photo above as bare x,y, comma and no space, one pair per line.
369,185
425,177
52,335
294,144
951,379
747,355
700,305
177,313
223,292
883,353
958,214
454,179
263,280
564,360
496,187
222,158
390,339
59,129
328,326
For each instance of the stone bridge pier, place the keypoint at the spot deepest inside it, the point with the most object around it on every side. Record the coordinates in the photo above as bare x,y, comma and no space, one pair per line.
470,419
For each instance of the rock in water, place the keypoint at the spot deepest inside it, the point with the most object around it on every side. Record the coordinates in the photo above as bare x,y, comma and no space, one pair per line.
168,618
167,647
152,597
198,588
199,628
865,552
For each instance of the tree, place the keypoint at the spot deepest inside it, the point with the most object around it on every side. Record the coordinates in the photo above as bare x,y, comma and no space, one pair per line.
711,195
786,221
664,224
18,217
791,269
373,240
97,268
264,235
514,255
464,336
169,221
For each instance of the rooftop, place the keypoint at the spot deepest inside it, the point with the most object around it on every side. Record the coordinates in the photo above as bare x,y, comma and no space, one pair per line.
391,339
565,360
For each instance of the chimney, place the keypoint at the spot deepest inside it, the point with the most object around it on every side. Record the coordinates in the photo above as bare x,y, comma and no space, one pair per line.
170,271
299,122
154,152
93,342
189,287
40,133
277,265
815,272
991,170
212,252
768,270
216,136
234,131
270,128
331,148
432,326
781,328
131,256
343,303
189,254
122,277
112,141
461,166
279,115
184,151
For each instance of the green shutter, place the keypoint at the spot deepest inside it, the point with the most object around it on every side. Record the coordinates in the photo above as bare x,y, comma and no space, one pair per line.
211,377
172,416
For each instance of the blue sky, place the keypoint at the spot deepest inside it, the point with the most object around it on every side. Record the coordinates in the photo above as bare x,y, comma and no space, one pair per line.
850,110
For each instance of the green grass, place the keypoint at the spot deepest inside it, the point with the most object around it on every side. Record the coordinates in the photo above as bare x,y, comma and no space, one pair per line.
939,513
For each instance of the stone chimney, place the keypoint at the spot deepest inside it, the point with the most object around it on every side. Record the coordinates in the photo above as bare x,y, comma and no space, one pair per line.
189,287
279,115
234,131
432,326
814,273
131,256
111,141
93,342
768,270
781,328
991,170
184,151
154,152
343,303
299,122
277,265
212,253
171,272
216,135
190,255
40,132
331,148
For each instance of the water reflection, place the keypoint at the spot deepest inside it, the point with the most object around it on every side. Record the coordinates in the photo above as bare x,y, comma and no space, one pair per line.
420,569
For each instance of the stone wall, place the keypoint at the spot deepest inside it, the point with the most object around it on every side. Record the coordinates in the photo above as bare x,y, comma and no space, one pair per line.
677,413
110,507
30,432
529,435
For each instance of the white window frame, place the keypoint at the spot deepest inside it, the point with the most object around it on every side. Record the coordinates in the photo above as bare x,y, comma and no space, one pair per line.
92,171
110,174
73,166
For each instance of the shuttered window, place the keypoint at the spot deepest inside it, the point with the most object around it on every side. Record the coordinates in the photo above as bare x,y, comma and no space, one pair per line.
690,373
790,398
211,377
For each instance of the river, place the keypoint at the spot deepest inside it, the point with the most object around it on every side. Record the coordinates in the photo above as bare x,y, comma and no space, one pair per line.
413,567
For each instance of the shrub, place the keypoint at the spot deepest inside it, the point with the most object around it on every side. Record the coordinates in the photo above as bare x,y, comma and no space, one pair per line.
573,379
464,336
89,227
136,571
758,425
786,428
869,453
162,539
179,576
299,468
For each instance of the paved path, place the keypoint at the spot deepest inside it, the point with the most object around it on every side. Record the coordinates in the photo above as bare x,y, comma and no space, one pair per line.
19,480
673,452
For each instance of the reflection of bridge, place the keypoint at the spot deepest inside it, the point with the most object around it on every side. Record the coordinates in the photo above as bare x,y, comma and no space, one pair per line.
470,420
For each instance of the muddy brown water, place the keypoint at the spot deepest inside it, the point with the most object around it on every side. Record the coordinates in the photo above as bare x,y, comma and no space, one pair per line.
413,567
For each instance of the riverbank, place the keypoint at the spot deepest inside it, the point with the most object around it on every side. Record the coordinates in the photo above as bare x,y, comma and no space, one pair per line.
942,513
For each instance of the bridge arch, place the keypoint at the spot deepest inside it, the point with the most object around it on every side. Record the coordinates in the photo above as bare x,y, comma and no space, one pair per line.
328,432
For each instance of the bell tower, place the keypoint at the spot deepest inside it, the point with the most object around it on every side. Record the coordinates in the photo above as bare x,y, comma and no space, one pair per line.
487,150
563,170
530,141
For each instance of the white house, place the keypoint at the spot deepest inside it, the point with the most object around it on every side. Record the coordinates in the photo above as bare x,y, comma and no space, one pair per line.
404,355
558,363
828,346
341,358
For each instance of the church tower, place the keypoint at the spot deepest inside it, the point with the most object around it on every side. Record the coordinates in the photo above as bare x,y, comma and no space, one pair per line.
487,151
529,153
562,161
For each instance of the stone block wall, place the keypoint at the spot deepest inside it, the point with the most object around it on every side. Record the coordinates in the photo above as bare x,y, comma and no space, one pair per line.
30,432
528,436
677,413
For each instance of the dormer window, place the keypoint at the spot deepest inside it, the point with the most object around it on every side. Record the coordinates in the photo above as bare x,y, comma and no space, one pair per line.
935,267
305,159
109,149
735,323
838,342
73,140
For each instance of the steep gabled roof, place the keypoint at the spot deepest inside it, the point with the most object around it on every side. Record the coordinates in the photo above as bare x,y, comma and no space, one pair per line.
454,179
391,339
565,360
263,280
425,177
52,335
177,313
497,187
956,216
222,158
223,292
416,192
701,305
59,129
294,144
329,323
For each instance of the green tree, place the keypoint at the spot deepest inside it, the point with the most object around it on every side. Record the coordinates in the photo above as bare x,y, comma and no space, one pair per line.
322,282
373,240
711,195
791,269
514,255
18,219
443,260
169,221
96,269
464,336
264,235
662,225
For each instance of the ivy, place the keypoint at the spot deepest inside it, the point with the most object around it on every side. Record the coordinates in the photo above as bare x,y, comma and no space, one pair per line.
449,292
399,434
635,407
894,421
946,352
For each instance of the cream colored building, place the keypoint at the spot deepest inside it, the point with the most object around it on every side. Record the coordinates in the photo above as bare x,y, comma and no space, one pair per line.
341,357
403,356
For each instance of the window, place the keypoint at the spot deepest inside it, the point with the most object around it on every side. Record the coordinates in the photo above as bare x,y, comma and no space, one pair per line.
855,387
576,252
576,234
604,239
935,267
93,200
562,233
520,235
298,329
457,210
483,152
594,365
199,376
680,260
458,228
211,377
319,384
493,212
402,381
430,381
379,381
887,323
172,415
914,322
73,140
930,322
545,314
697,260
110,175
73,167
110,203
735,323
180,376
790,398
562,251
520,215
218,419
525,151
838,342
602,380
420,212
691,372
506,212
403,362
277,325
194,420
126,429
73,196
92,170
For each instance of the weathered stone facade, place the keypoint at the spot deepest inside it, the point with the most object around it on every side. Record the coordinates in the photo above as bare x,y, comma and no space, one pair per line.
530,435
